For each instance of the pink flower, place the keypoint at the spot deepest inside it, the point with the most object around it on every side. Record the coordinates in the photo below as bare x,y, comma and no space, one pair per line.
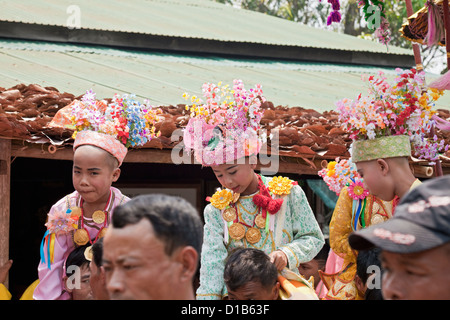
356,190
59,221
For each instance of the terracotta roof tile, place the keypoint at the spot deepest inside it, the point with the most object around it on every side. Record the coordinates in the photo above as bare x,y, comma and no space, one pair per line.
25,111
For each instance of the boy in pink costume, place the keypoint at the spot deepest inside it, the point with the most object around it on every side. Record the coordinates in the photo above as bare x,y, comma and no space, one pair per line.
83,216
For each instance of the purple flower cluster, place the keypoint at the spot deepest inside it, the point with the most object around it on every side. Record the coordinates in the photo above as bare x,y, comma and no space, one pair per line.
335,15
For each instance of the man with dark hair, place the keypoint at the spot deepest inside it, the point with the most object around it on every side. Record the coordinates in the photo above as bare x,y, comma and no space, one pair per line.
250,275
415,244
77,274
98,279
152,250
368,274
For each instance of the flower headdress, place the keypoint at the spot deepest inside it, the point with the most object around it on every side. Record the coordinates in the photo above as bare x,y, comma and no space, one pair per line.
390,117
341,173
225,126
123,123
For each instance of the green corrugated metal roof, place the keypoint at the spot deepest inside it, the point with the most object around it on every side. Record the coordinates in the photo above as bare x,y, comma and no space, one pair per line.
162,77
204,19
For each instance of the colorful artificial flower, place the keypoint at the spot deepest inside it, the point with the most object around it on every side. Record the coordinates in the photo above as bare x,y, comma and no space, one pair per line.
235,108
130,121
356,190
59,221
280,185
401,108
221,199
338,174
225,122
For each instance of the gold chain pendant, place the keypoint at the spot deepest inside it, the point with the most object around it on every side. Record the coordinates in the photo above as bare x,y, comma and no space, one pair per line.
236,231
236,197
229,214
102,232
253,235
99,216
81,237
88,253
75,212
260,221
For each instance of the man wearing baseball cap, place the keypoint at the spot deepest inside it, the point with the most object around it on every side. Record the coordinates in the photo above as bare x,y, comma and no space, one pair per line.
415,244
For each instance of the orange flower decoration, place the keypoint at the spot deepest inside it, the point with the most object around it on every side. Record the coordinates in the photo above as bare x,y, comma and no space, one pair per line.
280,185
221,199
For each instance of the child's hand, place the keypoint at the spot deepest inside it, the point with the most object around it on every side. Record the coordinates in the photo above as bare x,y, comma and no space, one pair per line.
279,259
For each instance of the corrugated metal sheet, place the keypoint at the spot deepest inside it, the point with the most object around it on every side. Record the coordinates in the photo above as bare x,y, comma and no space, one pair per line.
203,19
162,78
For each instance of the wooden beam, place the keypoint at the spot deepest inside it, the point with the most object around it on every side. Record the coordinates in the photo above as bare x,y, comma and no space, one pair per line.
5,187
300,166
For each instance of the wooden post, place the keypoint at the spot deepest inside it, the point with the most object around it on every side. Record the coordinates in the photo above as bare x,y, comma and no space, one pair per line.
5,175
416,49
447,30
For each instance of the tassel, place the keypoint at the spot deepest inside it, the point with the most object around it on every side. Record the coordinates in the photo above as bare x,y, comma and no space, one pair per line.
274,205
47,244
42,246
261,201
225,230
435,25
441,83
442,124
52,247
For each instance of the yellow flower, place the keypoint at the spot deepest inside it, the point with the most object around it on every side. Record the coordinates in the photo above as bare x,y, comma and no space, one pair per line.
280,185
221,199
331,165
331,172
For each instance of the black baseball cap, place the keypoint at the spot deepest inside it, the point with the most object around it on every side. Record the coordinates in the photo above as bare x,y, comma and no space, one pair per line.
421,221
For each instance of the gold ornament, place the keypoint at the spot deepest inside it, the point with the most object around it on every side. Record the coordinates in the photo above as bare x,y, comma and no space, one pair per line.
88,253
236,231
253,235
229,214
236,197
81,237
102,233
99,217
260,221
75,212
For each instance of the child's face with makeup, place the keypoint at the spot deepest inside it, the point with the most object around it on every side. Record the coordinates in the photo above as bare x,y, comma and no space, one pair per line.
93,173
240,178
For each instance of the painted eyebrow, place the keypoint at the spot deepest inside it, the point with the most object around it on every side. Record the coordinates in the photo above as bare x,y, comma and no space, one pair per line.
229,168
90,169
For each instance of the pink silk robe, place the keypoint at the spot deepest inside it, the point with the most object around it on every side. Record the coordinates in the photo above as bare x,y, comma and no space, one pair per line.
50,285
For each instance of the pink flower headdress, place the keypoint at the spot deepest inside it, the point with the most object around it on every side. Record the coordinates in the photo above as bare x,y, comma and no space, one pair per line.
114,127
225,125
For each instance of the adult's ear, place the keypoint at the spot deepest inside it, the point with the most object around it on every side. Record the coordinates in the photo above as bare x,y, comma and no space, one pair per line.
276,291
66,287
360,285
188,258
